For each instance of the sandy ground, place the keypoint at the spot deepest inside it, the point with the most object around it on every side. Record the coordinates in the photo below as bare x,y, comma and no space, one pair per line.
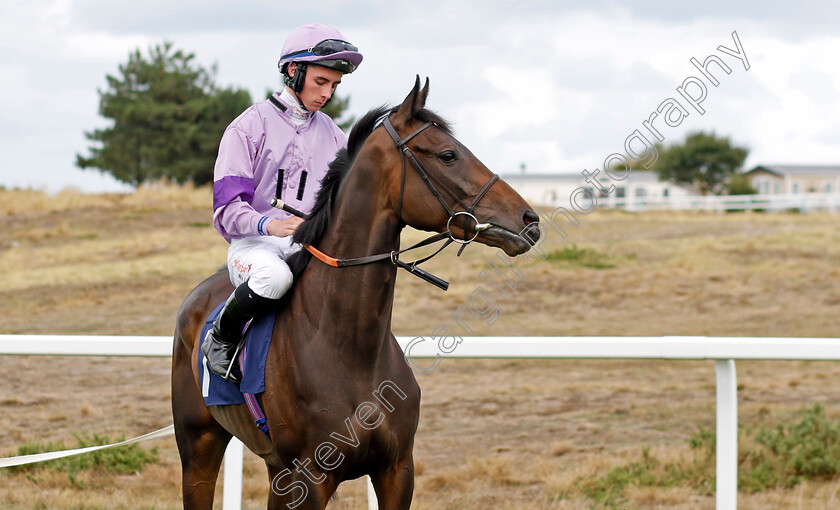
493,434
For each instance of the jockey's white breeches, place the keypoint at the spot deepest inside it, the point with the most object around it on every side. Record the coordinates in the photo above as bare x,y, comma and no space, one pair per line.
261,261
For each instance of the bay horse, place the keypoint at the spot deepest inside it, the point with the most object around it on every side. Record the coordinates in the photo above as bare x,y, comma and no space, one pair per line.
340,398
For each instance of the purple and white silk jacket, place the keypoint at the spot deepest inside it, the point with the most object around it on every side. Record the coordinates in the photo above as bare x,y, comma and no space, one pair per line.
254,148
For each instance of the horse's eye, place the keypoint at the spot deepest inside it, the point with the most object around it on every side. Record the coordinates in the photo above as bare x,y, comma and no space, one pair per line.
448,156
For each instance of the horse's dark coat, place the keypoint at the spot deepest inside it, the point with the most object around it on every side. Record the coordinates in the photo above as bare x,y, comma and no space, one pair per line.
340,398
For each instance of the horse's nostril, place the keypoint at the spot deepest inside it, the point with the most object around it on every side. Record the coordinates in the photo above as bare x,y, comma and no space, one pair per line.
530,217
532,230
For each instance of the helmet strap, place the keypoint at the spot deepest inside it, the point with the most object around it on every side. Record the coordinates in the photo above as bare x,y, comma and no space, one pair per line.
297,82
300,102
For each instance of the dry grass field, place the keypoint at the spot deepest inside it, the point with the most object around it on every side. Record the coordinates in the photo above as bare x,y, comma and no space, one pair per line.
501,434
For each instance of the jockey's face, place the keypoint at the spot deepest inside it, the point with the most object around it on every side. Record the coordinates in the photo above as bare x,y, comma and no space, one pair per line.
319,86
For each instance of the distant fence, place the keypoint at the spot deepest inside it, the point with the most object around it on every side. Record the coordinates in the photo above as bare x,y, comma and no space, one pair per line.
722,350
801,202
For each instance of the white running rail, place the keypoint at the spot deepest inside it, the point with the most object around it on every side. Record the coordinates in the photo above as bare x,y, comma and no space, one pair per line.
722,350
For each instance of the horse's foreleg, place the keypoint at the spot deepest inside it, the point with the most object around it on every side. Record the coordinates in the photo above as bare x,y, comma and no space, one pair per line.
201,440
395,486
292,488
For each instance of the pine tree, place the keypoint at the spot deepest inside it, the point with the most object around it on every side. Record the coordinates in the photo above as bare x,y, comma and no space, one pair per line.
168,118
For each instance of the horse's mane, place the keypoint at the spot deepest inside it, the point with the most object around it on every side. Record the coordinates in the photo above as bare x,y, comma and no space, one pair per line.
313,228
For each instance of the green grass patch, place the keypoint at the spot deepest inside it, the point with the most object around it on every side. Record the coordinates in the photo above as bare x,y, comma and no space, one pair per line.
584,257
779,456
608,491
121,459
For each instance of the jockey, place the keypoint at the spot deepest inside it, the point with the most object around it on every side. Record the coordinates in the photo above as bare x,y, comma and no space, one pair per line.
276,148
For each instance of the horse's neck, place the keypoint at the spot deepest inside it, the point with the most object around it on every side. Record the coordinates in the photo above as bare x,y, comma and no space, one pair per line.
359,298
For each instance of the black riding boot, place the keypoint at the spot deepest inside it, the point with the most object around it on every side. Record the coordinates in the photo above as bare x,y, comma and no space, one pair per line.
222,339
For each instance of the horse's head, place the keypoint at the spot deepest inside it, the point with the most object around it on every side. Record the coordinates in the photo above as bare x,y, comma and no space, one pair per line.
440,185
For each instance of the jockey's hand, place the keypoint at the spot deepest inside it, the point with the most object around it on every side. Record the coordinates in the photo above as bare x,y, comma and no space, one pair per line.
283,228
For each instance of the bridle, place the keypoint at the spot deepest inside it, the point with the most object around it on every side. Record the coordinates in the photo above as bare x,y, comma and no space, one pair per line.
405,151
431,182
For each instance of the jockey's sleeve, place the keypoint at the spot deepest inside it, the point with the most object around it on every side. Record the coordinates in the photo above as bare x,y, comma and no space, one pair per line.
234,186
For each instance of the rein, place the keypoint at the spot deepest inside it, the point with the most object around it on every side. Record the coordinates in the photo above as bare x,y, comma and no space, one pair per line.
405,151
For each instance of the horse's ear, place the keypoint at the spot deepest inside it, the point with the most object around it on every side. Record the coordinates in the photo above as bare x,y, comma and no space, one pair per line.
415,101
421,97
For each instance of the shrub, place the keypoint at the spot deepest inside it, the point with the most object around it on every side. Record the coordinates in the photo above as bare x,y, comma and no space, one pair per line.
780,456
808,449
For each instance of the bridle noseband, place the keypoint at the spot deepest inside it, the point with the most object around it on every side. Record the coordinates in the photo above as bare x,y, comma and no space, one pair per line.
430,180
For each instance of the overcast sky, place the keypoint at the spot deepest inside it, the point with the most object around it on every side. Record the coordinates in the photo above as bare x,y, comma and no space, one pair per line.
556,86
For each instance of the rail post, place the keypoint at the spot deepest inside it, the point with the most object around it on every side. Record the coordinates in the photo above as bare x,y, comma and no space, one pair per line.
726,453
232,495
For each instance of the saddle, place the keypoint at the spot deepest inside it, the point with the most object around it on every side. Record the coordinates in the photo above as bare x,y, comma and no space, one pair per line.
250,359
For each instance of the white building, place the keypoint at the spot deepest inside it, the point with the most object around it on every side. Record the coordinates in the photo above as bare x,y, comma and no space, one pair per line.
556,190
794,179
